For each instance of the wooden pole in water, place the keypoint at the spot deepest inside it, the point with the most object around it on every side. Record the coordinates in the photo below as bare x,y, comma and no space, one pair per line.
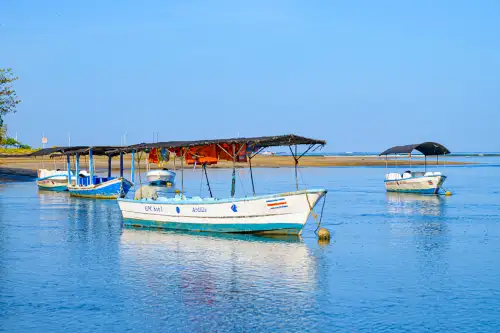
251,173
206,177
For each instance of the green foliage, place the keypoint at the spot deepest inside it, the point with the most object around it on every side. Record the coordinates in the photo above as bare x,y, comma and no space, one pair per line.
13,143
3,132
8,96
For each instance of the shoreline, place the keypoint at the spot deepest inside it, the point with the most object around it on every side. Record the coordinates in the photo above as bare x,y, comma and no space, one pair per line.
29,166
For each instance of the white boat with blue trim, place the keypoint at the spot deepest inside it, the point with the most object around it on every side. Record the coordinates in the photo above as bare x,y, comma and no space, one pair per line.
281,213
52,180
426,182
161,177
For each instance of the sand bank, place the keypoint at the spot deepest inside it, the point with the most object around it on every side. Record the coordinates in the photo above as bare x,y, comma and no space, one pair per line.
28,166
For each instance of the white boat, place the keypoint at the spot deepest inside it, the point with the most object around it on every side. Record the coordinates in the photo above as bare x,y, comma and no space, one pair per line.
160,177
52,180
280,213
416,182
267,153
283,213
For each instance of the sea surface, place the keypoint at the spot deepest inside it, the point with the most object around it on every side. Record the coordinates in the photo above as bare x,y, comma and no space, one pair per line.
396,263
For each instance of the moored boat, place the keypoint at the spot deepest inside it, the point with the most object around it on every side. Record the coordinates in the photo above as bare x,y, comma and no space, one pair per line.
279,213
99,187
283,213
52,180
416,182
160,177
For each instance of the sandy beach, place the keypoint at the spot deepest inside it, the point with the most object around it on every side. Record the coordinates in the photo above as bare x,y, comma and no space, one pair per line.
29,166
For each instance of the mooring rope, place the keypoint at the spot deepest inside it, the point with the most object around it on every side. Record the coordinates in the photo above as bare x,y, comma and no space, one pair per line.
311,207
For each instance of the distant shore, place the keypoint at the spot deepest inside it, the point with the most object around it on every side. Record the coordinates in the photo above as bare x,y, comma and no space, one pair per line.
29,166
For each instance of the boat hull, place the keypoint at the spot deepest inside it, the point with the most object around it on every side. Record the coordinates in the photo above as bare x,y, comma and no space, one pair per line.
56,183
283,214
422,185
112,189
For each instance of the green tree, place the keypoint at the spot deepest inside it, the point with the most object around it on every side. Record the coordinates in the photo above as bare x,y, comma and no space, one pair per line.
8,96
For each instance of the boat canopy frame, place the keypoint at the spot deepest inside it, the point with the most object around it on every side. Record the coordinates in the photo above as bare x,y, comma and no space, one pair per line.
426,148
260,143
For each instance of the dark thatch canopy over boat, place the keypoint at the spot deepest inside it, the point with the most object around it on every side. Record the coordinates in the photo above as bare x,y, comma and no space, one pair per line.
58,151
96,150
44,152
426,148
261,141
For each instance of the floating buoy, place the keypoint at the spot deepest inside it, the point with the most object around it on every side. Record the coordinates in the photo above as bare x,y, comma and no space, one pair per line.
447,193
323,242
323,234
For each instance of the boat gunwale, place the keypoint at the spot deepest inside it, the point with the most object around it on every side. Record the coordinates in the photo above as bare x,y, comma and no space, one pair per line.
95,186
224,200
404,179
53,176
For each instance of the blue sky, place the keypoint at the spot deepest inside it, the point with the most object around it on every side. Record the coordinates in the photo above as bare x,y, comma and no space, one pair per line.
364,75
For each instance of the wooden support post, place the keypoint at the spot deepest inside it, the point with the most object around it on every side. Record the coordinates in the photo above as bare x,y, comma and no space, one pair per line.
296,166
233,180
77,169
91,166
132,168
109,166
121,164
68,158
182,172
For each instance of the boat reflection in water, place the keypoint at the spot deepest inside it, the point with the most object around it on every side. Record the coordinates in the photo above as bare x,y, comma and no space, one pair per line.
201,263
414,204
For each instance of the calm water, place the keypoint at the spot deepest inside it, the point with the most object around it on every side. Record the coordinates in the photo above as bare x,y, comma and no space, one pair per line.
396,262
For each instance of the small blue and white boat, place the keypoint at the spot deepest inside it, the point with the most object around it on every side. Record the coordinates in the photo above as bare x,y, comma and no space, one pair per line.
416,182
98,187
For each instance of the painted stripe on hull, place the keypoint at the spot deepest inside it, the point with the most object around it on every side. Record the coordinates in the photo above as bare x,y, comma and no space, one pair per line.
95,196
421,191
267,228
61,188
